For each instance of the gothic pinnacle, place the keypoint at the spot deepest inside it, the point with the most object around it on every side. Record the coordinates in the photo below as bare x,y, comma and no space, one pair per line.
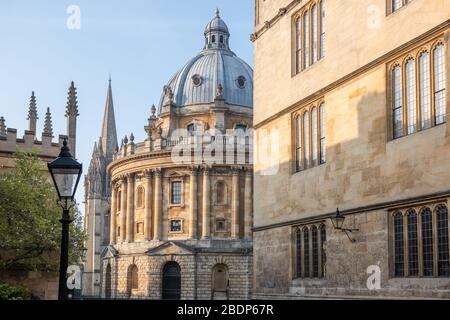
32,113
48,127
2,127
72,103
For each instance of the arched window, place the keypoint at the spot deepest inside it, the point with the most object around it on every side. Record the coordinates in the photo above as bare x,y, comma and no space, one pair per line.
427,242
314,136
439,84
323,240
315,252
306,139
221,193
221,39
315,41
306,40
442,229
140,197
322,29
397,106
413,244
298,44
298,142
323,151
399,245
132,278
425,90
411,96
306,269
298,252
213,39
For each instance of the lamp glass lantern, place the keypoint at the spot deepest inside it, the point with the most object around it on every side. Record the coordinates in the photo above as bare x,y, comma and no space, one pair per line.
66,173
338,220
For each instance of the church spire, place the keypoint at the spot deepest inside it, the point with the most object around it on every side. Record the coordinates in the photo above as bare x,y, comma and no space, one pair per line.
48,127
71,115
109,134
32,114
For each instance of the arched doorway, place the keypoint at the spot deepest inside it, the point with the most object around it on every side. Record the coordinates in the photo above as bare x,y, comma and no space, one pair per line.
171,286
108,282
132,279
220,282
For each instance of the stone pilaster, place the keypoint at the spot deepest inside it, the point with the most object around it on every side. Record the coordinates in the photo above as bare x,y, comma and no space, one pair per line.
158,204
130,207
248,206
123,209
193,204
148,206
112,216
235,204
206,205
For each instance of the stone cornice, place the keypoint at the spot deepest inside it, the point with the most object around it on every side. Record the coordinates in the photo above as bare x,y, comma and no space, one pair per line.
274,20
430,34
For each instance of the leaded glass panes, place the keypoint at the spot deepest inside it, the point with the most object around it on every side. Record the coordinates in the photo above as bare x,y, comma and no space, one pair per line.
413,245
323,152
425,90
298,238
314,136
439,84
399,245
411,96
314,34
306,140
306,40
306,258
315,252
443,253
397,102
427,242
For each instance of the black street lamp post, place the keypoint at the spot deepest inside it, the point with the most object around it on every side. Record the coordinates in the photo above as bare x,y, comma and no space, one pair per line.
338,224
66,173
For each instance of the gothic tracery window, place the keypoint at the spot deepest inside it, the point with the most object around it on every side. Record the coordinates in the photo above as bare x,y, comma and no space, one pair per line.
418,91
421,242
310,138
309,27
310,256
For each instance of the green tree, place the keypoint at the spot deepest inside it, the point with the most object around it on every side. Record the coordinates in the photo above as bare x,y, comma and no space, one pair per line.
30,230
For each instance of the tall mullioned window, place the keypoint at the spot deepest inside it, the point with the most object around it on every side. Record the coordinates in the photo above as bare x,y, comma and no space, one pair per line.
426,236
309,26
395,5
418,95
310,253
310,137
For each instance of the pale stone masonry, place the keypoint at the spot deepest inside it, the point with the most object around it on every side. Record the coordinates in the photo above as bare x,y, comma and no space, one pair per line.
172,228
393,188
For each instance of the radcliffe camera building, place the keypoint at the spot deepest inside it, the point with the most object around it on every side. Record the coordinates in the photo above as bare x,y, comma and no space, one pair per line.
165,229
357,93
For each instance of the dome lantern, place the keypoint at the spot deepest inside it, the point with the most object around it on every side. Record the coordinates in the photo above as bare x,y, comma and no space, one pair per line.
216,34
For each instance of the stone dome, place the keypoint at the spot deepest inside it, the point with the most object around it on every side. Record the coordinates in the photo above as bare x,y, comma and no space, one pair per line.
198,80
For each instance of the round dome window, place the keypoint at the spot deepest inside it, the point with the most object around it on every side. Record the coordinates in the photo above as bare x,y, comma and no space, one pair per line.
197,80
240,82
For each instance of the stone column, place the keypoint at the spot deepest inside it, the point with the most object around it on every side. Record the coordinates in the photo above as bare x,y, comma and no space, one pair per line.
112,216
148,206
235,204
123,209
158,205
130,207
193,204
248,214
206,219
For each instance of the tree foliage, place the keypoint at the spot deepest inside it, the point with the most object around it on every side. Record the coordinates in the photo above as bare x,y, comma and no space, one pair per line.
30,231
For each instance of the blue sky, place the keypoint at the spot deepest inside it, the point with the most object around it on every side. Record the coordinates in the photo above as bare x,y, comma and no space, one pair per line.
140,43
